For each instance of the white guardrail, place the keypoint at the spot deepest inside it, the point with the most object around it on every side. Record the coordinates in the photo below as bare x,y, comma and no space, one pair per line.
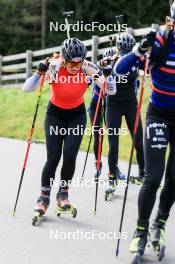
14,69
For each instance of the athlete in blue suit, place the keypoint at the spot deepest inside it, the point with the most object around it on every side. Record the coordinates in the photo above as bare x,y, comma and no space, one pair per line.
159,133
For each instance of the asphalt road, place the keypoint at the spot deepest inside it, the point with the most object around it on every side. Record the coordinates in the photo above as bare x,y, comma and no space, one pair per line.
86,239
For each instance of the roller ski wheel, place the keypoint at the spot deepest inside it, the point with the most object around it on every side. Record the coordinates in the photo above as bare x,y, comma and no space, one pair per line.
63,204
109,193
37,218
136,258
72,211
136,180
40,210
39,214
157,238
159,249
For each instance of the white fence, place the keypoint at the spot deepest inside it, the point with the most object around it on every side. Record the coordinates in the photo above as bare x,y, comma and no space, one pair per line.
14,69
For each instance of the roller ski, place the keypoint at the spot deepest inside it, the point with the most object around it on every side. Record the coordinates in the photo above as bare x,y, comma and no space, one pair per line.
138,180
41,208
63,204
157,238
138,244
109,192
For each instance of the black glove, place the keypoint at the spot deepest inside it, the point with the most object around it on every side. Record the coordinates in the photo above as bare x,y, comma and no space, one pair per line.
43,67
107,70
147,42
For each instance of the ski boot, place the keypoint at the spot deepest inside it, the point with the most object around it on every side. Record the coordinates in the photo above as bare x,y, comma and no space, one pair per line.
139,179
157,237
138,244
40,210
63,204
119,175
109,192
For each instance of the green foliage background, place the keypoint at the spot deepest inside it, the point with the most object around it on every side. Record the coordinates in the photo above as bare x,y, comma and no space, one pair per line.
17,110
20,20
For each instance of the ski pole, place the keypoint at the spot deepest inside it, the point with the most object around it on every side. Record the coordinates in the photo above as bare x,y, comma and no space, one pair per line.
94,122
111,39
99,150
67,15
29,142
119,20
98,166
132,150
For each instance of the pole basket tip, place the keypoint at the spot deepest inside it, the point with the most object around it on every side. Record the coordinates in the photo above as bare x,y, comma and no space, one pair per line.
13,213
117,252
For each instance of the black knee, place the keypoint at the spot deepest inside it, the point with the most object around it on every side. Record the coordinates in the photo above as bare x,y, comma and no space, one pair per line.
151,183
52,163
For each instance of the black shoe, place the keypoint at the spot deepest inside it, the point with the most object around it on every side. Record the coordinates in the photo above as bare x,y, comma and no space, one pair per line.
120,175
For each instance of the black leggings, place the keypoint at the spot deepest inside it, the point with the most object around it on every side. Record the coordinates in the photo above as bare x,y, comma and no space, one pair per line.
114,113
57,142
159,133
100,115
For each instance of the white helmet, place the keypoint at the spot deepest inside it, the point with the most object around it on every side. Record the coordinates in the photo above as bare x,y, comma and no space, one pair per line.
125,42
109,52
73,49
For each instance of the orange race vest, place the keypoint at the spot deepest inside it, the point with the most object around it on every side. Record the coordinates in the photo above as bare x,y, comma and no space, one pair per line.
66,91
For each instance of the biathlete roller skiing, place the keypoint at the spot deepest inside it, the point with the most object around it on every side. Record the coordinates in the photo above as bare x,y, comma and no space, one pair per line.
123,103
97,110
159,133
101,110
66,110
